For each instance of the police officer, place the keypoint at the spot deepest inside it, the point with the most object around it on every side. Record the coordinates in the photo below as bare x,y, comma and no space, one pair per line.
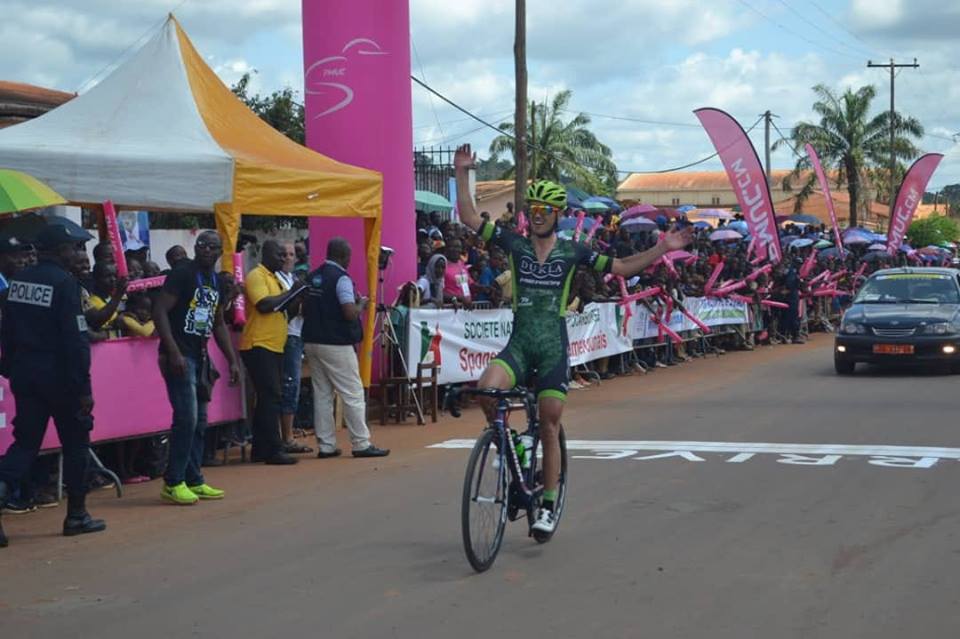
46,356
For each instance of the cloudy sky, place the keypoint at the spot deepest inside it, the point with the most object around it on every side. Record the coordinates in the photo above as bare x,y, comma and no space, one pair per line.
638,66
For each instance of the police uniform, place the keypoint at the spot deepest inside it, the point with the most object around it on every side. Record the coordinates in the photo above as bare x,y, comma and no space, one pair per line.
46,356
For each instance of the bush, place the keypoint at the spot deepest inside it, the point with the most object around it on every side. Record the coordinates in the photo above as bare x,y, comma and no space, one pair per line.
933,230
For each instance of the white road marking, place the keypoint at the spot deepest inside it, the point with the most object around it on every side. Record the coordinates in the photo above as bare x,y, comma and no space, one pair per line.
741,449
886,456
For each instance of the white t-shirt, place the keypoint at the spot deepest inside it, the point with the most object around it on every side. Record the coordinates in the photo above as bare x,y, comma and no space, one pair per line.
295,325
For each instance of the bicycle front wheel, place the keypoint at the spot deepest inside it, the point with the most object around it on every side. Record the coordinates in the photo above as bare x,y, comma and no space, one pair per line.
485,496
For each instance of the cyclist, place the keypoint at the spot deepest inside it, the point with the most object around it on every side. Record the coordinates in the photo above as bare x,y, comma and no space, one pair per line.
543,267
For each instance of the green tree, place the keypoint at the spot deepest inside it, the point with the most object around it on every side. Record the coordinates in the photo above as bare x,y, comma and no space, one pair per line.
848,141
933,230
565,151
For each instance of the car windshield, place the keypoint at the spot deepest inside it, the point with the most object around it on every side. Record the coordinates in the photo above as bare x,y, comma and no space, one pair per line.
912,288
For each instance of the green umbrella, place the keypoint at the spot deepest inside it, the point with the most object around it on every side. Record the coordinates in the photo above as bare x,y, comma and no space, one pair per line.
595,207
822,244
429,202
22,192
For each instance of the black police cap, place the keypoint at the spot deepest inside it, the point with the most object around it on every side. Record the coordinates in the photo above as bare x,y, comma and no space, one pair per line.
54,235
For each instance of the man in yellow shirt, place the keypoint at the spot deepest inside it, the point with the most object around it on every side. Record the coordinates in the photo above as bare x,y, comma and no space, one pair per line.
261,348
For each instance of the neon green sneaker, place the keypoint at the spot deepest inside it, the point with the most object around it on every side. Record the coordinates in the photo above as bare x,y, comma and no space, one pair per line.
206,492
179,494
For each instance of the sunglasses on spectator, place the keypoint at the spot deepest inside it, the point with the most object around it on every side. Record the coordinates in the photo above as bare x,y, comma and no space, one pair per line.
207,245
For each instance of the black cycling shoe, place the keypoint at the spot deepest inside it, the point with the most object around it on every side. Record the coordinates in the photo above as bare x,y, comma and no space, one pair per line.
81,524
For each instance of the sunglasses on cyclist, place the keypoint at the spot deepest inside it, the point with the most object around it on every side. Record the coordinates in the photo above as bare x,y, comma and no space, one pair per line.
543,209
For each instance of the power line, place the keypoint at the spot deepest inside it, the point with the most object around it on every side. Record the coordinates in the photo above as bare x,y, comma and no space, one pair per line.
817,27
423,74
631,119
795,33
548,153
840,24
501,113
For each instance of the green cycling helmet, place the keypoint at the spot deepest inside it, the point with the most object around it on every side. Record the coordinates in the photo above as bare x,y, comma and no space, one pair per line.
547,192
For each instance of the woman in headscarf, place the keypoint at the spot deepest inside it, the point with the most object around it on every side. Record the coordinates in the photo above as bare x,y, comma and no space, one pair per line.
431,284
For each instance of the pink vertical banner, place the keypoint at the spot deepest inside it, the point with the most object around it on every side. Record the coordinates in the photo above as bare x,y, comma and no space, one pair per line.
113,231
742,164
239,304
825,187
909,196
358,110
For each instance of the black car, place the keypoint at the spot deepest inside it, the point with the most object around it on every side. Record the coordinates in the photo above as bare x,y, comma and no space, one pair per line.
902,315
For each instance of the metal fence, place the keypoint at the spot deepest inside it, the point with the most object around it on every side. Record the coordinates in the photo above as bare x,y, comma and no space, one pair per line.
433,168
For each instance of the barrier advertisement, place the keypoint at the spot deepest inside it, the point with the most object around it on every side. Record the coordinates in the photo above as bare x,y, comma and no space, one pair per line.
464,342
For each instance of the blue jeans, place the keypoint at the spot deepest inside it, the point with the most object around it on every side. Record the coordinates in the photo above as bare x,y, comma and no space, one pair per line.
292,363
189,425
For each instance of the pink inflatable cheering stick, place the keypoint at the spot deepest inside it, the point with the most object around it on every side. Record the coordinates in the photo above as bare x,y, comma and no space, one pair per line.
146,284
760,271
593,229
729,288
690,316
662,328
808,265
522,224
751,246
708,287
239,304
113,231
579,227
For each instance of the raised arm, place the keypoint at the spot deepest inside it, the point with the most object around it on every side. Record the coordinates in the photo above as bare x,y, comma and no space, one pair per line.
463,161
672,241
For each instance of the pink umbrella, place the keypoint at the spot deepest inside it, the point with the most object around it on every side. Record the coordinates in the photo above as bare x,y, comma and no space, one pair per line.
637,210
725,234
673,256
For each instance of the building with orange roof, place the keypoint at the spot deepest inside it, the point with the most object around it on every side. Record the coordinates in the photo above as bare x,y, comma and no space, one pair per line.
20,102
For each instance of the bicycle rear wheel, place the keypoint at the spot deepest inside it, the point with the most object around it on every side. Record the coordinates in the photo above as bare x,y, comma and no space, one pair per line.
542,538
484,506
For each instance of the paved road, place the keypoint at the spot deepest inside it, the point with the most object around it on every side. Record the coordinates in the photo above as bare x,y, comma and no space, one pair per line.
836,536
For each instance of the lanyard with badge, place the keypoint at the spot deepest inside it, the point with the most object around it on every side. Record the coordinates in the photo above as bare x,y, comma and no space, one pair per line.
203,311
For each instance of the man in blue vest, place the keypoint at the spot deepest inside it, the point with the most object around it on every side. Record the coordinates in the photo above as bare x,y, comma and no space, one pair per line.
331,331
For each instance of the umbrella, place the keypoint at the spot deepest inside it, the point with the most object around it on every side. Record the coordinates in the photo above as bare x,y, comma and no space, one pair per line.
738,225
725,234
833,252
22,192
570,223
802,242
947,245
719,214
429,201
702,225
802,218
610,203
636,210
686,208
593,206
858,237
638,224
877,247
575,196
823,244
874,256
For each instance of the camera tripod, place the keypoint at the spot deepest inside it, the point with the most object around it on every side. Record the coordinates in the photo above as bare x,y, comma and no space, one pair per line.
386,335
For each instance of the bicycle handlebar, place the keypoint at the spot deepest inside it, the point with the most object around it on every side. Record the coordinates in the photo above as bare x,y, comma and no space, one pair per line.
450,401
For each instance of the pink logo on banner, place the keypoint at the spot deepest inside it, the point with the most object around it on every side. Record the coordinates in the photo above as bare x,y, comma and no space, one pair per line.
908,198
825,187
742,165
359,111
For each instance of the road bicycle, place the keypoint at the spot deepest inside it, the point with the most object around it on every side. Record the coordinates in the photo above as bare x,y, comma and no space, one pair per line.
503,480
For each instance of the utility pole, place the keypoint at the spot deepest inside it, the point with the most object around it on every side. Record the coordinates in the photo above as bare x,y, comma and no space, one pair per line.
893,66
533,140
767,119
520,114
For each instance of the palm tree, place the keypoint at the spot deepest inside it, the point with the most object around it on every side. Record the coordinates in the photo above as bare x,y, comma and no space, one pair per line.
562,151
849,143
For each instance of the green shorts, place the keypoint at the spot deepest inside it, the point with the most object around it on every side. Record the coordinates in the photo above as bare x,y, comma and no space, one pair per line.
543,351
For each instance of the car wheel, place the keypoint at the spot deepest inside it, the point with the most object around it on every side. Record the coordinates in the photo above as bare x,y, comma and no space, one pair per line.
844,366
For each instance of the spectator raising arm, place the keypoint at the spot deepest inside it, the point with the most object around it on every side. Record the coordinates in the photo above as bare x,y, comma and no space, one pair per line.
463,161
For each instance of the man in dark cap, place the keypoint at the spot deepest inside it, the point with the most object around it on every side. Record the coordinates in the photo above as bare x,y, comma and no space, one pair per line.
46,356
14,256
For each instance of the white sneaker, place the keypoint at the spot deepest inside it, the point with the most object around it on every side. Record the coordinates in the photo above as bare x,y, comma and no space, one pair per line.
546,521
